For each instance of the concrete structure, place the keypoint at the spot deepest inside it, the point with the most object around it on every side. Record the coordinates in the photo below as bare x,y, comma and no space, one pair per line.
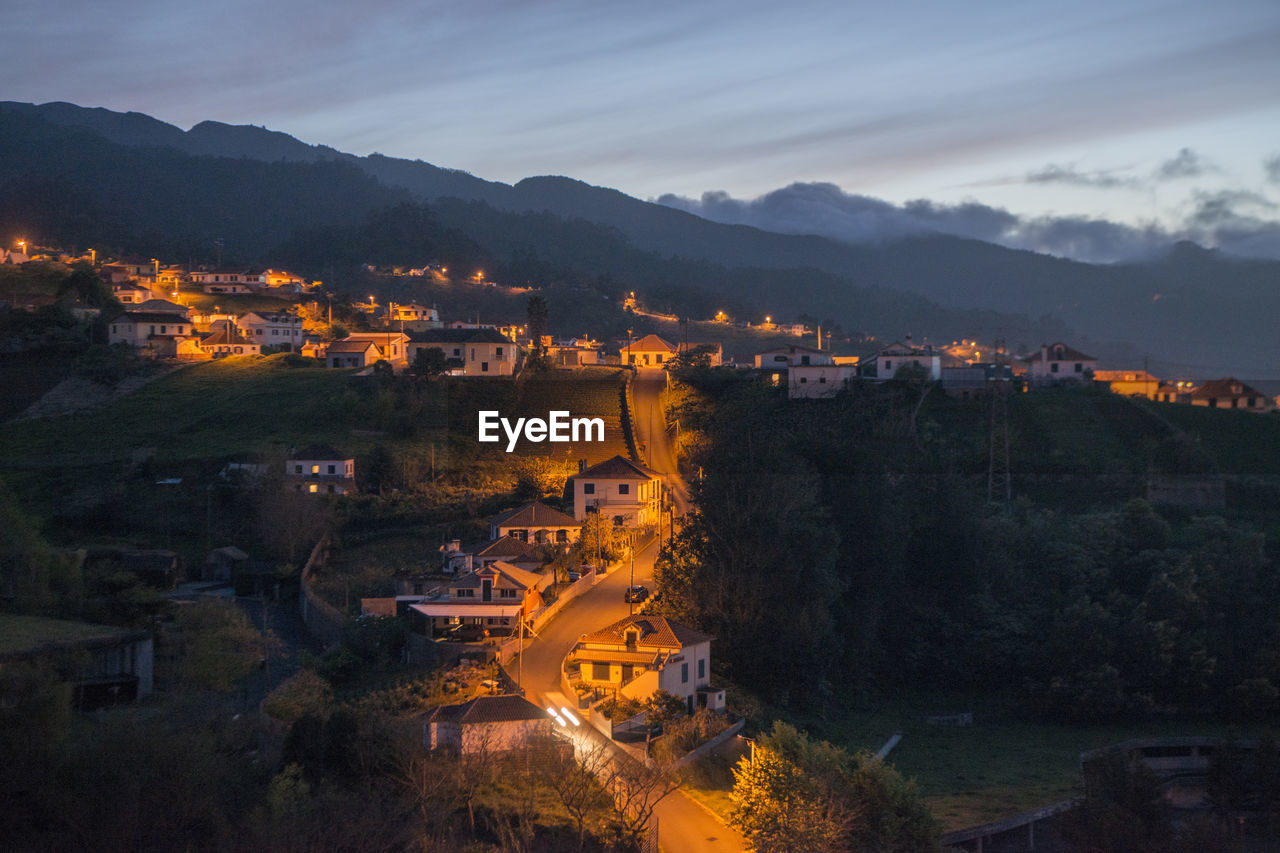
625,491
816,381
227,280
1131,383
495,597
351,354
649,351
907,353
108,665
780,358
469,352
392,346
228,341
492,724
640,654
268,329
1231,393
320,469
1056,363
536,523
148,330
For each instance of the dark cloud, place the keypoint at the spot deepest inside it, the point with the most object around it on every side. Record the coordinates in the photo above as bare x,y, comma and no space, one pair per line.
1234,221
1186,164
1104,179
1272,167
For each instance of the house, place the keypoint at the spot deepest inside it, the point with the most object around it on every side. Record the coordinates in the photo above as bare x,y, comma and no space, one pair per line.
457,557
222,563
392,346
490,724
780,358
162,306
1231,393
14,258
1130,383
105,665
573,353
649,351
641,654
130,293
469,352
227,341
153,331
815,381
412,313
351,354
974,380
626,491
272,329
537,523
1055,363
227,280
907,353
495,597
713,352
320,469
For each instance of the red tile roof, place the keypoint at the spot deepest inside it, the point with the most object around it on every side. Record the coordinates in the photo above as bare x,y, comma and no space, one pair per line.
619,468
655,631
534,514
489,709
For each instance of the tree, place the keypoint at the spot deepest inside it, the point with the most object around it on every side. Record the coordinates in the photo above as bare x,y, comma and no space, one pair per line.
574,778
222,647
536,311
778,808
429,363
634,791
599,539
538,477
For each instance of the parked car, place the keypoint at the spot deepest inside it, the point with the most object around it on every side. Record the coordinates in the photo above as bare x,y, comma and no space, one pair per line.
468,633
636,593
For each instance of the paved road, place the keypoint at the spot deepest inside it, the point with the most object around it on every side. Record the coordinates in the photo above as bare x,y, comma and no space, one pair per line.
684,826
650,423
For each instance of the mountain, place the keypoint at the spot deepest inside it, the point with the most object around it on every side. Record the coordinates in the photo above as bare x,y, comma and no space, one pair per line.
1192,309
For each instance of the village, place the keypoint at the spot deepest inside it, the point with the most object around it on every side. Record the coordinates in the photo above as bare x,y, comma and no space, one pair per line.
557,604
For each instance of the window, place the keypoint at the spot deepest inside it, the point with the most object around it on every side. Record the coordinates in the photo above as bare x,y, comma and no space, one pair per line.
888,365
1053,368
484,367
599,671
702,668
333,469
1079,367
588,488
473,353
457,352
659,358
822,380
313,488
803,380
315,469
804,359
624,488
562,536
506,593
499,352
684,673
465,593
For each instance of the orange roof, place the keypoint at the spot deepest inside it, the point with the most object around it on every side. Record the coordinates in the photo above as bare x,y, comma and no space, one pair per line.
652,342
655,632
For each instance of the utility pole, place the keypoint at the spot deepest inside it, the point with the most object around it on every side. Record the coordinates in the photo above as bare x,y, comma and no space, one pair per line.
999,481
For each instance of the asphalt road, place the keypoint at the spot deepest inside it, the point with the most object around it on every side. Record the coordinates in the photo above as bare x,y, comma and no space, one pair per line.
650,425
684,826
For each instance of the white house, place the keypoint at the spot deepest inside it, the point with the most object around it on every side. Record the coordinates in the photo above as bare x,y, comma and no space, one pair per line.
815,381
273,329
1058,362
649,351
320,469
351,354
926,357
536,523
227,280
143,330
130,292
1231,393
641,654
494,596
625,491
412,313
226,341
780,358
487,724
392,346
469,352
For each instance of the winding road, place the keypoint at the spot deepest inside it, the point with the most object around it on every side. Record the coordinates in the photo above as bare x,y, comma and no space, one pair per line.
684,826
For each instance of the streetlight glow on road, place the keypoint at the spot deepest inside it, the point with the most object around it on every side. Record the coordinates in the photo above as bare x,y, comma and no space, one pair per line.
569,715
554,713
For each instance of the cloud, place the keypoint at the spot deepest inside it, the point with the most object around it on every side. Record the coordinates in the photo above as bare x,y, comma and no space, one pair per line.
1186,164
1235,221
1103,179
1272,167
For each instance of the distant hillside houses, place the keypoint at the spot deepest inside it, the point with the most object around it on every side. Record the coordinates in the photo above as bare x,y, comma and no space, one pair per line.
468,352
320,469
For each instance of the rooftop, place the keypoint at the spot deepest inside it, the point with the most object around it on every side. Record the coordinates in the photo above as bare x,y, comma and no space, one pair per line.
619,468
655,631
489,709
534,514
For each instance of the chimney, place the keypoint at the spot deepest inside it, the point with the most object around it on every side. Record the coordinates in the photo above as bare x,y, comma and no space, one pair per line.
455,544
1044,354
582,465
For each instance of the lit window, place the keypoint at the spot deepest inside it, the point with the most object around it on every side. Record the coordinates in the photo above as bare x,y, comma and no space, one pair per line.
313,488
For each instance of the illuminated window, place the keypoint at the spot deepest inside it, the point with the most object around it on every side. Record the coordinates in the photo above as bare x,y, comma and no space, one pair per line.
313,488
315,469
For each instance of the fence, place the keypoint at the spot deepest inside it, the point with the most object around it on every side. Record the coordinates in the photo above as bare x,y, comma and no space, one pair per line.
510,647
323,620
702,749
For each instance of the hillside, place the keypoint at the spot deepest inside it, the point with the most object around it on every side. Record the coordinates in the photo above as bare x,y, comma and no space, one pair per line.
1193,312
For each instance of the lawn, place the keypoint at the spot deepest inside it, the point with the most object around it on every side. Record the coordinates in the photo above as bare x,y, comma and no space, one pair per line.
1244,443
997,767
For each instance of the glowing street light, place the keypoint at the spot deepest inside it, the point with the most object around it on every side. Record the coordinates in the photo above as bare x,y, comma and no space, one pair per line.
569,715
556,715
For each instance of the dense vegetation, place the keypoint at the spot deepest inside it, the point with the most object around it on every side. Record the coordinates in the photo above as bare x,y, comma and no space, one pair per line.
848,547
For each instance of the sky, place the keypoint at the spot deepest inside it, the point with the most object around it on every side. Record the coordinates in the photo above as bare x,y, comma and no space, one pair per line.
1098,130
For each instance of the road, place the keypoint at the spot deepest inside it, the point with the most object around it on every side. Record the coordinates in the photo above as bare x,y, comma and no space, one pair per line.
651,431
684,826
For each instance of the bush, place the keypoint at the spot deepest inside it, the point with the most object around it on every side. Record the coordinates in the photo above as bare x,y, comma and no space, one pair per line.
681,737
